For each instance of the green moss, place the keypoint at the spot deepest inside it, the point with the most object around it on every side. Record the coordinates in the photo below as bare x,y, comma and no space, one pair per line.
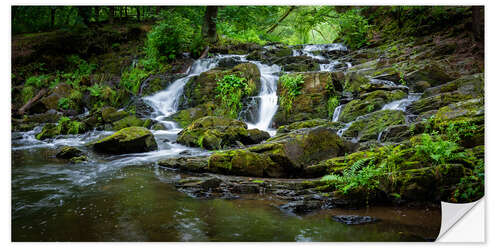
129,121
127,134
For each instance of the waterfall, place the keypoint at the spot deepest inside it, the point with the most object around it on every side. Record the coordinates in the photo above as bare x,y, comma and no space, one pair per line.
165,103
402,103
268,96
336,113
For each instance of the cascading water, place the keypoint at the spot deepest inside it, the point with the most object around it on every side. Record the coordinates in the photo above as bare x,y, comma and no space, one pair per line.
336,113
312,50
268,97
403,103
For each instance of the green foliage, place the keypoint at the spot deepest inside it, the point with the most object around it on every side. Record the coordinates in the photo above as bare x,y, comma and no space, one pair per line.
38,81
63,103
292,85
437,150
362,174
458,130
470,187
95,90
169,38
353,28
333,102
27,93
131,80
230,89
67,126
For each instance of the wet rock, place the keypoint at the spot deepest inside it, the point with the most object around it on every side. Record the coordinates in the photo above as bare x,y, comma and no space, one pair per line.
79,159
68,152
127,140
201,89
129,121
213,132
187,116
158,126
354,219
142,109
283,156
110,114
190,164
431,72
369,102
312,101
229,62
301,207
435,102
308,124
471,85
369,127
51,101
399,133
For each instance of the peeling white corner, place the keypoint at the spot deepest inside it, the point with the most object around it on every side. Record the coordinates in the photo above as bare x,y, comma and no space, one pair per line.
462,222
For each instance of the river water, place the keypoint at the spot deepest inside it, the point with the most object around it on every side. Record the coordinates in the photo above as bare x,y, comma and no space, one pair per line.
130,198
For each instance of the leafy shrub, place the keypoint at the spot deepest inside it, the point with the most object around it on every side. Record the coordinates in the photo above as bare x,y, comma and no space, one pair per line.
230,89
292,86
169,38
353,28
437,150
67,126
27,93
95,90
63,103
38,81
132,79
333,102
458,130
360,175
470,187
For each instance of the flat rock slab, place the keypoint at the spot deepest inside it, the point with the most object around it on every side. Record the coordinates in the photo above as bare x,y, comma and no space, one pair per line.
354,219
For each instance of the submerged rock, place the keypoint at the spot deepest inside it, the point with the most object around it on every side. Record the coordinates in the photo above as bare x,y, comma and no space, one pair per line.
68,152
354,219
127,140
213,132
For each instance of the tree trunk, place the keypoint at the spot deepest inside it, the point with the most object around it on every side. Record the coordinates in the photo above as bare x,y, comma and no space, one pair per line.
126,14
281,19
52,17
32,101
96,13
137,9
209,29
111,14
477,19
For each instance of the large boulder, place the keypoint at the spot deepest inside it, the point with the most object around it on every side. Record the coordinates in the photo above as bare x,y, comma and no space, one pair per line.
368,127
127,140
284,156
312,101
467,85
308,124
212,132
202,88
51,100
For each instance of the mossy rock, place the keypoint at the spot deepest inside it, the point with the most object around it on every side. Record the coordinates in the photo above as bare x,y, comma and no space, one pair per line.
201,89
68,152
354,81
212,132
432,72
370,126
51,101
368,103
189,164
286,156
472,85
62,128
187,116
127,140
111,114
308,124
334,165
435,102
129,121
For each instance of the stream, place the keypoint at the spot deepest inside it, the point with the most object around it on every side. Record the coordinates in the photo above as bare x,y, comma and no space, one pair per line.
130,198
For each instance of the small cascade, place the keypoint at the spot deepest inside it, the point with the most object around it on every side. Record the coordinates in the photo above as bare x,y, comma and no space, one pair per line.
341,131
315,50
268,104
336,113
403,103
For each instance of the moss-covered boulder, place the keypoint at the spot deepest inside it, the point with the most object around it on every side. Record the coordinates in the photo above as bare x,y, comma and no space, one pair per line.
111,114
202,88
212,132
399,133
431,71
285,156
68,152
369,102
312,101
51,101
130,121
369,127
189,164
468,85
309,124
187,116
435,102
63,127
127,140
298,63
